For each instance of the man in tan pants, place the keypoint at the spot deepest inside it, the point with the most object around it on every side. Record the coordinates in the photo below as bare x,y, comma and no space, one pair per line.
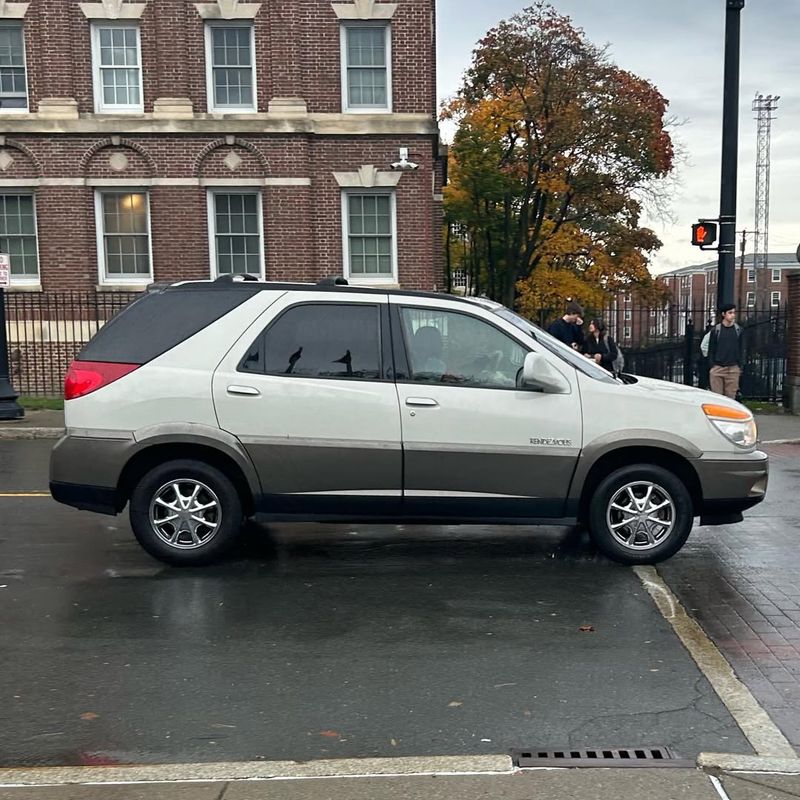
723,345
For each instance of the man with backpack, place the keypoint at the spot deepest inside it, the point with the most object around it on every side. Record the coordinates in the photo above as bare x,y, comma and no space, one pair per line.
723,347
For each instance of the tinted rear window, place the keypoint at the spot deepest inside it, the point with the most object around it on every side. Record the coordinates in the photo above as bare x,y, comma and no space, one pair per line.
158,321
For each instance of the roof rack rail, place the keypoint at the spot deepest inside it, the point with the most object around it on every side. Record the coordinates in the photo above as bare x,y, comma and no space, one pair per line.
238,277
333,280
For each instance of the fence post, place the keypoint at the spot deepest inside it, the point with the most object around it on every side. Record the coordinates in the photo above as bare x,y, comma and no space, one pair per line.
9,407
688,353
792,382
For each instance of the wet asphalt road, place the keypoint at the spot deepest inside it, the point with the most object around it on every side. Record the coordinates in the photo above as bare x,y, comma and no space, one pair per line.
327,641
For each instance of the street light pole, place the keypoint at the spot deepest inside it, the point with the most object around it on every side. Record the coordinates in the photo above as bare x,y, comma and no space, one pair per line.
9,408
730,148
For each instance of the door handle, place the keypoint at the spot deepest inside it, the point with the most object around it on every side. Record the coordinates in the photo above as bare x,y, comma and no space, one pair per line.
249,391
421,401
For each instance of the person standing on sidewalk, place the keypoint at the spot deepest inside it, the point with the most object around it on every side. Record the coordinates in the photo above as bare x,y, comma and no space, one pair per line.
569,329
723,347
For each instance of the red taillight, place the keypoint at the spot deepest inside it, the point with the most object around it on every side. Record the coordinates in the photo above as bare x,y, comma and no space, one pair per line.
84,377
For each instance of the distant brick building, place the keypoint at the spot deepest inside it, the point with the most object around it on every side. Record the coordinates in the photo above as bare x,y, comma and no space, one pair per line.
171,139
693,289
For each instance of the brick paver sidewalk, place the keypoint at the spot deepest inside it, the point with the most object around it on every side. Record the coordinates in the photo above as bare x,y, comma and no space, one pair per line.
742,584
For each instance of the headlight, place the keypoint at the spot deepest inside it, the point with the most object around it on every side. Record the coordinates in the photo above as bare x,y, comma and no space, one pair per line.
737,426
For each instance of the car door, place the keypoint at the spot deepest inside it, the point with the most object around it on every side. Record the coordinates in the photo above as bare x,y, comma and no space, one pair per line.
309,391
476,445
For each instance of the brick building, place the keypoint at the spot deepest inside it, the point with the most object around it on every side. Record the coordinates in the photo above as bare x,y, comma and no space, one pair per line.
171,139
696,286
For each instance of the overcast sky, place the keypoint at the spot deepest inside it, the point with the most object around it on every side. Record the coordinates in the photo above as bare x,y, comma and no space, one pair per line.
678,45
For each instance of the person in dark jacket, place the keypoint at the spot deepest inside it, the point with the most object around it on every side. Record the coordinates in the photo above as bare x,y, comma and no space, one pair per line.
599,347
569,328
723,346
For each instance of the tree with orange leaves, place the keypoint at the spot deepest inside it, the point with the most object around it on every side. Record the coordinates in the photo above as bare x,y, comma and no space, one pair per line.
555,151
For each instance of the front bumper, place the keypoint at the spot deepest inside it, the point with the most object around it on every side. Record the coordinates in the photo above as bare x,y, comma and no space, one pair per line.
730,486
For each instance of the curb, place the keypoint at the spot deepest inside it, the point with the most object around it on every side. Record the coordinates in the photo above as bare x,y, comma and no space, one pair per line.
781,441
12,434
731,762
258,770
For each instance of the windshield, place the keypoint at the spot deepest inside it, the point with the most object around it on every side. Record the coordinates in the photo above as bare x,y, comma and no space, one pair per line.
556,347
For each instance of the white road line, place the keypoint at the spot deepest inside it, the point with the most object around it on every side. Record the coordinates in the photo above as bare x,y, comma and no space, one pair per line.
762,733
715,782
258,771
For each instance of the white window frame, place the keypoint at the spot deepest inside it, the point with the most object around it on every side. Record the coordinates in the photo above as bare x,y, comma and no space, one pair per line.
751,276
26,108
776,271
364,280
100,106
212,107
775,299
750,300
212,226
385,109
626,332
120,280
27,280
628,315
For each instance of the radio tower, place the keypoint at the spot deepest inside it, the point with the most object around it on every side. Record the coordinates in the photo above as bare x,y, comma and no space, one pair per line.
763,107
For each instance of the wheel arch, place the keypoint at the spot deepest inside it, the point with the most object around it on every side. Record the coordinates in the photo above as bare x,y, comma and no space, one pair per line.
624,456
157,453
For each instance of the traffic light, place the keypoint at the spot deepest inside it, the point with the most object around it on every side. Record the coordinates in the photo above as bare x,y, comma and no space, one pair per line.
704,234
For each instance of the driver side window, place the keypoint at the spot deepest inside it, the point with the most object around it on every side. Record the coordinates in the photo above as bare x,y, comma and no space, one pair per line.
450,347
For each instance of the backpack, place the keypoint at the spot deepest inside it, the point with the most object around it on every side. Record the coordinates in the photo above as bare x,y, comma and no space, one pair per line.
705,344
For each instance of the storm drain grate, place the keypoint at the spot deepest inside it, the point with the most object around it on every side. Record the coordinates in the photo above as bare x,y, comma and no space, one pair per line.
599,757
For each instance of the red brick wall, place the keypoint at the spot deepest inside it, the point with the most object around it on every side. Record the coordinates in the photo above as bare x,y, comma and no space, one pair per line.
297,53
302,225
793,344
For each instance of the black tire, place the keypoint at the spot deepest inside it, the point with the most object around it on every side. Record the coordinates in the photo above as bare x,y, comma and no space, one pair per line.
221,522
642,548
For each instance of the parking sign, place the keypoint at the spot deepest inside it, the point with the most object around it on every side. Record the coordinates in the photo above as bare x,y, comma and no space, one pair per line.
5,271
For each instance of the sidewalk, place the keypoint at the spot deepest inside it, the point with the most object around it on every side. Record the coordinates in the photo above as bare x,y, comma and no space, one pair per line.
50,425
555,784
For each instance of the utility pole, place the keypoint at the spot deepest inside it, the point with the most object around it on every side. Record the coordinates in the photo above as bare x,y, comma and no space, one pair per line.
742,278
730,148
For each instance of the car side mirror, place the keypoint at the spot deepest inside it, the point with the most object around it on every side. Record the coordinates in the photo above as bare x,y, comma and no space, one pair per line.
538,373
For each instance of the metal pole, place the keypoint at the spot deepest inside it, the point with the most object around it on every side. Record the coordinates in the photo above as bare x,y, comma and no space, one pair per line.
730,147
688,352
9,408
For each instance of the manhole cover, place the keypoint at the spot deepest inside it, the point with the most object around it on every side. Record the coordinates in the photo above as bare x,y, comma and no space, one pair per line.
600,757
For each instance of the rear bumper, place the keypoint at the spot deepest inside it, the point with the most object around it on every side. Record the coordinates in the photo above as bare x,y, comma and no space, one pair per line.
100,499
731,485
85,471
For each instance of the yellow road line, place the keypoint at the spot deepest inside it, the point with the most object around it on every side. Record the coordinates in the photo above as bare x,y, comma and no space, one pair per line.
24,494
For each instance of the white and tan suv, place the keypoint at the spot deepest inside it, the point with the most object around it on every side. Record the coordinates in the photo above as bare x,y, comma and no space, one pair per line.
204,403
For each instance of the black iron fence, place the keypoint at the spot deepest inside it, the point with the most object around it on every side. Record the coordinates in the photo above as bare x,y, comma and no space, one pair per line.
665,343
47,330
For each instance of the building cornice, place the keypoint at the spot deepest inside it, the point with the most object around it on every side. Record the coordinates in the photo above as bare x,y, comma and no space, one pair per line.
273,123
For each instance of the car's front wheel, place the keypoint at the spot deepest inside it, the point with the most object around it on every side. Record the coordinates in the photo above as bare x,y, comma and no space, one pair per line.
185,512
640,514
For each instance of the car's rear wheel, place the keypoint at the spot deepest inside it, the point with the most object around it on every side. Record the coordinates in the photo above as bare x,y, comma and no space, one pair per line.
185,512
640,514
